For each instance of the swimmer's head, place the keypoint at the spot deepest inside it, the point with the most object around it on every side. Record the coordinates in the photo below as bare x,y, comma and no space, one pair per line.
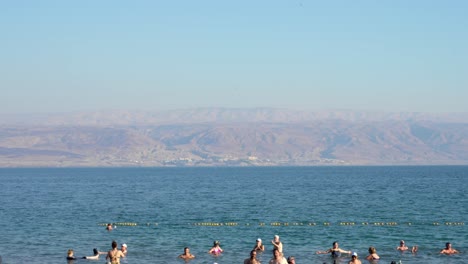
216,243
259,240
70,252
95,251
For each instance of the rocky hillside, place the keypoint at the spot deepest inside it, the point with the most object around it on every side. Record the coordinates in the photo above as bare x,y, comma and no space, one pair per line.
239,137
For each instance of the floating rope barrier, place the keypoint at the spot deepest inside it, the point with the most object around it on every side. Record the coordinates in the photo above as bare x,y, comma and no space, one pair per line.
286,224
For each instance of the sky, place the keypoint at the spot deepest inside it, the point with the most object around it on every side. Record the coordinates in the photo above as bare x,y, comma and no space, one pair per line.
88,55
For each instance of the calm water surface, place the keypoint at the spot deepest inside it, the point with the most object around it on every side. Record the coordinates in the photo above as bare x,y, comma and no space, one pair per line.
44,212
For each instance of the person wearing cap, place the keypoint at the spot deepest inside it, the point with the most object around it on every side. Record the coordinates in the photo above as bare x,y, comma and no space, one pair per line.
335,250
278,258
354,259
258,245
186,255
216,249
277,244
253,258
448,250
123,248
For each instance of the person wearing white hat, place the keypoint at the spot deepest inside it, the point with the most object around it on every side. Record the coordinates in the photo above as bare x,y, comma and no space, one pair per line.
258,245
123,248
354,259
277,244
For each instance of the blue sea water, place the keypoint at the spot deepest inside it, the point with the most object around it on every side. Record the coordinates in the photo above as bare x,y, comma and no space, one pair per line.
159,211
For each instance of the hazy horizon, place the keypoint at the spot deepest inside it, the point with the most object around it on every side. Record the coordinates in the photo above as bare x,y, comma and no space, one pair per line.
398,56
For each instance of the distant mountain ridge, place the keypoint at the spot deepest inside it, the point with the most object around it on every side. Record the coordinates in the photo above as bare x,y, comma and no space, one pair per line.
235,137
221,115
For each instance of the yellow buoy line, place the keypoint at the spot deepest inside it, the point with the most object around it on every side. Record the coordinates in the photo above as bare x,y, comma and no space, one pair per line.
343,223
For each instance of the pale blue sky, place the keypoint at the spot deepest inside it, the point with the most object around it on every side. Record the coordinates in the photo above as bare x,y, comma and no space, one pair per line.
61,56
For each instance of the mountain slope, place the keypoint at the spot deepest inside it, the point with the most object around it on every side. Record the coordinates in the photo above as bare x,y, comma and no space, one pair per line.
346,140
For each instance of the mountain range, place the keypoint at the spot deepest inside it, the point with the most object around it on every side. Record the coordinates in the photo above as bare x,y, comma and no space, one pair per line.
232,137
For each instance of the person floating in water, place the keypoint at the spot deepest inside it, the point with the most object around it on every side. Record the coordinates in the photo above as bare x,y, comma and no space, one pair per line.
109,227
448,250
186,255
216,249
95,255
258,245
335,251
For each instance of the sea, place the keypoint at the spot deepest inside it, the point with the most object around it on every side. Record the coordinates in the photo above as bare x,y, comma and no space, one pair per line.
159,211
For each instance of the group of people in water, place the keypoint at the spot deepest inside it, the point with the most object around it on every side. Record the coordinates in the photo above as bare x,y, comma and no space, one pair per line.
335,251
113,256
278,257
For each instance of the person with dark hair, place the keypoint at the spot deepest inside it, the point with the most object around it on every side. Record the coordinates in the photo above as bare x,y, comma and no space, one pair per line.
114,254
291,260
448,250
335,250
186,255
216,249
253,258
